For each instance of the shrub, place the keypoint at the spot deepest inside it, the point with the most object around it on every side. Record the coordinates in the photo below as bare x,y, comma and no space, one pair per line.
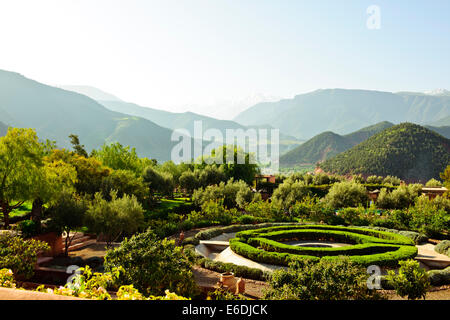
372,247
233,194
400,198
20,255
443,247
338,279
289,192
152,265
411,280
7,279
346,194
116,217
433,183
29,228
439,277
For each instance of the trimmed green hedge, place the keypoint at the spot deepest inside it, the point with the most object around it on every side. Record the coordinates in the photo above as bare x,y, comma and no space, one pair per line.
370,246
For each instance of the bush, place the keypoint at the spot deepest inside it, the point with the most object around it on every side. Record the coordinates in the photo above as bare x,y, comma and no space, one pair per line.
20,255
233,194
289,192
152,265
411,280
443,247
372,247
7,279
346,194
439,277
400,198
29,228
338,279
114,218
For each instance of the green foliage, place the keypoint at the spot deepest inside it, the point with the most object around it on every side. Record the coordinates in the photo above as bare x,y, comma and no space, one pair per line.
124,182
114,218
77,147
439,277
152,265
408,151
188,181
411,280
7,279
28,228
212,212
339,279
233,194
161,182
20,255
400,198
289,192
433,183
90,171
67,214
20,166
370,246
443,247
119,157
346,194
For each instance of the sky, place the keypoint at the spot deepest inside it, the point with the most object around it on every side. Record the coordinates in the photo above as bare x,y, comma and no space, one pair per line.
218,57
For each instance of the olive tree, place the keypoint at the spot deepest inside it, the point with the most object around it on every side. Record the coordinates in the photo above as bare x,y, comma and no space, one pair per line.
114,218
21,163
346,194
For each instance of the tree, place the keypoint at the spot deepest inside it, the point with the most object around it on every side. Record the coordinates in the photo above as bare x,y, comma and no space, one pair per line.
114,218
161,182
289,192
20,165
346,194
67,214
241,167
188,181
54,177
77,147
152,265
90,171
124,182
400,198
119,157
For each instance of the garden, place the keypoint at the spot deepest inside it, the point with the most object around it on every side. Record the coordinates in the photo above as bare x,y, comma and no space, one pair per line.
135,228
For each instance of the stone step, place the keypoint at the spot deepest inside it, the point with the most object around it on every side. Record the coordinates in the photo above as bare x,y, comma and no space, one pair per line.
82,245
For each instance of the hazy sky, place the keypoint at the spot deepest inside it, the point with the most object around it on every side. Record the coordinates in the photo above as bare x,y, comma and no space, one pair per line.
181,55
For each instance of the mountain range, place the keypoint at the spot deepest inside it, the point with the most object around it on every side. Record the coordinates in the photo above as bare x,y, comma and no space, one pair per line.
56,113
344,111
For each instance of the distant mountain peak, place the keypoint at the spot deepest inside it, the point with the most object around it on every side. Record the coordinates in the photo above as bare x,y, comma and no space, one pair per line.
438,92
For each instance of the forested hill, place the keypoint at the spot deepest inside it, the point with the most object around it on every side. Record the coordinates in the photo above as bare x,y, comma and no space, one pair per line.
408,151
329,144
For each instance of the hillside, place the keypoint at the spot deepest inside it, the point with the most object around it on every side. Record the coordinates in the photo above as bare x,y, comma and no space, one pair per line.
186,121
409,151
55,113
344,111
329,144
3,129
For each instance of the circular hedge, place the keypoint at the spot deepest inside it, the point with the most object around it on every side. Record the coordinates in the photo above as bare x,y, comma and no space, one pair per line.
367,246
